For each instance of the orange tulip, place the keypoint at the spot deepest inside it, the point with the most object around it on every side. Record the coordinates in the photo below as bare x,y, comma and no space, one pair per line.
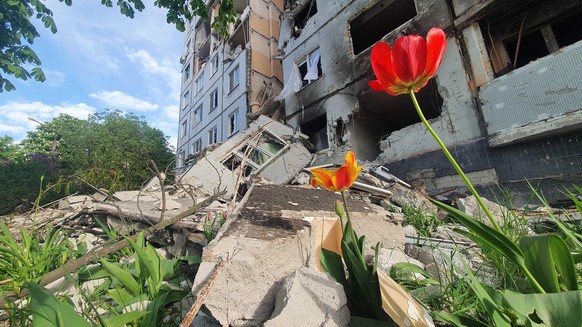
412,62
338,179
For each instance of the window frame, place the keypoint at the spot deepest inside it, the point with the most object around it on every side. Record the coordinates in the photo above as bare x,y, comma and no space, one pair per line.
231,74
213,99
187,72
233,126
306,61
184,129
214,65
185,99
213,135
197,145
197,115
200,83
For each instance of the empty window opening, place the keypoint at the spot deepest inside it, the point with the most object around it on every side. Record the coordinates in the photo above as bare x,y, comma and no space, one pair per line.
518,33
300,20
382,18
233,123
233,79
310,67
212,135
184,129
381,114
197,119
316,129
339,136
214,99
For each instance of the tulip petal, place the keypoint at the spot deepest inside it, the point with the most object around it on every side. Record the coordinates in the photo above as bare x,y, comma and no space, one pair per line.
436,45
376,85
323,177
382,64
341,179
409,58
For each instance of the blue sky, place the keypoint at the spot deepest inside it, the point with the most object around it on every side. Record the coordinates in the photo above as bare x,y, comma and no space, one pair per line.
100,59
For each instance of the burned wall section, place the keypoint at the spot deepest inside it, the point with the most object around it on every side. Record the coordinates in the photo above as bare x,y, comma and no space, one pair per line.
551,164
339,88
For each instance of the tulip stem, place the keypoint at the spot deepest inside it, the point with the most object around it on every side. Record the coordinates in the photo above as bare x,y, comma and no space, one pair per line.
453,162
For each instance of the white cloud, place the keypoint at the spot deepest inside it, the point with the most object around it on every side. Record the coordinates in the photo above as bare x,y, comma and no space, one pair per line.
54,77
173,113
164,69
15,115
123,101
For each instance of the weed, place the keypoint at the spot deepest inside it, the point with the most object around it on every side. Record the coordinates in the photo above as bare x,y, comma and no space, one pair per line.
422,221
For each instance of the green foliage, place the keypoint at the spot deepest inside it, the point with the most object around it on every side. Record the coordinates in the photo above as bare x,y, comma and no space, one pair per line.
8,150
210,224
16,56
423,222
362,287
148,281
47,311
21,180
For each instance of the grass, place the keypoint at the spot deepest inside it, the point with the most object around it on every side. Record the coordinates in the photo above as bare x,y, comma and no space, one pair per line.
424,223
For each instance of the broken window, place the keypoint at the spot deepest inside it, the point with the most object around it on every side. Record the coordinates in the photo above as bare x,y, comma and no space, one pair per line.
197,119
214,65
310,67
519,33
382,18
302,15
380,114
233,79
200,82
185,99
213,99
232,123
197,145
212,135
316,129
181,158
255,153
184,127
187,72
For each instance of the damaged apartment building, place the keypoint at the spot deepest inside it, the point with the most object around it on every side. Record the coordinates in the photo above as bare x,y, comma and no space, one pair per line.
507,99
223,79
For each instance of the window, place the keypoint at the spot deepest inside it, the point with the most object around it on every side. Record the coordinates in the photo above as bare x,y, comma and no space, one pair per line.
214,65
232,123
212,135
309,9
516,36
187,72
197,119
373,24
214,99
310,67
181,158
184,128
200,82
258,153
185,100
197,145
233,79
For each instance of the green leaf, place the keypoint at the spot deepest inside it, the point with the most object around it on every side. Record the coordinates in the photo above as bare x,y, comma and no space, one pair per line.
123,276
332,263
124,318
481,233
553,309
458,320
547,257
47,311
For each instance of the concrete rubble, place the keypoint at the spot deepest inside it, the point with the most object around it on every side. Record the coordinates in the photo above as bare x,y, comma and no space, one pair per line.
271,240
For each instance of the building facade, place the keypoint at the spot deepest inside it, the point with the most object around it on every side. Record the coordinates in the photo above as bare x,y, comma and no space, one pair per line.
507,99
224,79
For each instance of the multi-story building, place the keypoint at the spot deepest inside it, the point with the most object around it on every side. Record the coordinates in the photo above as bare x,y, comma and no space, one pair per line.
223,79
507,99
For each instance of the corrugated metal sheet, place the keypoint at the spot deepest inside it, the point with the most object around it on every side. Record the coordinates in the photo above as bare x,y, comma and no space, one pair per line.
544,88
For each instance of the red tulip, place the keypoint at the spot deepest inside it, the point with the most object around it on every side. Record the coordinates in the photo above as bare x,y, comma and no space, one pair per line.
412,62
339,179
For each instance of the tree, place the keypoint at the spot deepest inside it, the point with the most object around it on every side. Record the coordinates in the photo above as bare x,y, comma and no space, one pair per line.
109,149
8,150
17,33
